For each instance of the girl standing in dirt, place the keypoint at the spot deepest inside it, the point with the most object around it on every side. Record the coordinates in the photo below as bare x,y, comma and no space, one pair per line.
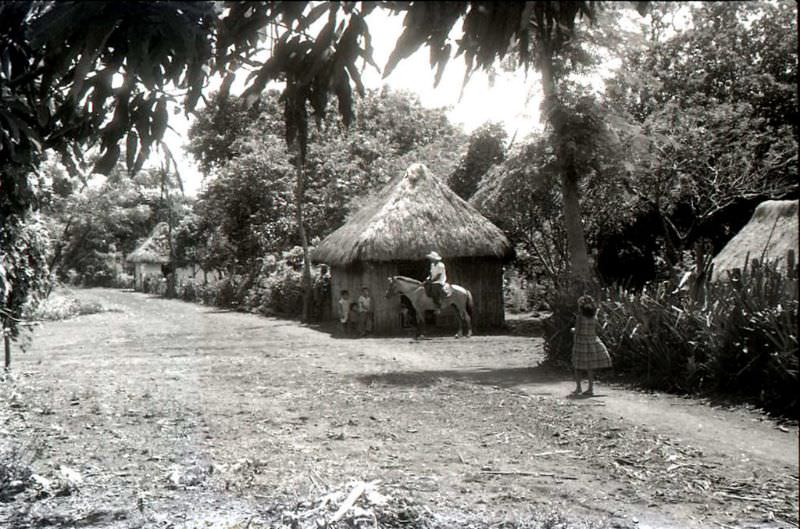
588,352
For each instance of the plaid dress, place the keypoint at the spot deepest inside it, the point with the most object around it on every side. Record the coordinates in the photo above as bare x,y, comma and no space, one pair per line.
588,352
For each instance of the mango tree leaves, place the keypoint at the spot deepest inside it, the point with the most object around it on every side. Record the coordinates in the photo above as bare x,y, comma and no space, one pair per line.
107,58
313,66
491,30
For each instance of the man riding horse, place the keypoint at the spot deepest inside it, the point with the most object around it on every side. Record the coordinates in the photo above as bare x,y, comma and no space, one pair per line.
436,280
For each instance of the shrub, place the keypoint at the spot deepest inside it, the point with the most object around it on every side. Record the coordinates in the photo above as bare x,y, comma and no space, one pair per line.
64,305
150,283
285,292
123,280
15,471
57,307
556,328
223,293
188,291
278,288
275,289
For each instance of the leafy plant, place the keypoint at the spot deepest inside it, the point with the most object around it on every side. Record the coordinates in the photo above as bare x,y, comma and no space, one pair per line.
15,471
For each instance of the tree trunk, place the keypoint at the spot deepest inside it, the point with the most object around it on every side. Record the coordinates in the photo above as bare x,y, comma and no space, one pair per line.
300,189
576,241
171,268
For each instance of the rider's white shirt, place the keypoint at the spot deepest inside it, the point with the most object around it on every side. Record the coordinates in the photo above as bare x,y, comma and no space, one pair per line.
438,273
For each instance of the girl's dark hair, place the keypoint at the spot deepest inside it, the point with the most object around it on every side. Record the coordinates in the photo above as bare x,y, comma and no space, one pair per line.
587,307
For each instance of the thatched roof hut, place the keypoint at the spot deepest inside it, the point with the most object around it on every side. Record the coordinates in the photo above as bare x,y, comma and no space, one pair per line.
154,249
148,259
412,215
770,235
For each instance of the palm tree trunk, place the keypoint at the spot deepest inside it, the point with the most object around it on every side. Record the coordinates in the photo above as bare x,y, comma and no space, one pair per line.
576,241
570,192
300,189
171,267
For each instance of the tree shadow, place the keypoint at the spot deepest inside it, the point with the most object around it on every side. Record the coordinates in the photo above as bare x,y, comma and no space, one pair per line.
501,377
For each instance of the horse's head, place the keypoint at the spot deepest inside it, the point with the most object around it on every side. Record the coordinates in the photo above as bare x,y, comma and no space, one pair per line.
392,290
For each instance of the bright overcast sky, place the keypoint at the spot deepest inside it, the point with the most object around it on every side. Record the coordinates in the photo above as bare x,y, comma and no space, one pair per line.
511,98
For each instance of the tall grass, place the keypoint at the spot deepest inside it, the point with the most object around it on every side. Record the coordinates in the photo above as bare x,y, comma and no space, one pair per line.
739,340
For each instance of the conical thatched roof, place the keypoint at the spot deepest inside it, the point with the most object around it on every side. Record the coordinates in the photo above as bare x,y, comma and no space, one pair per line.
771,233
155,249
414,214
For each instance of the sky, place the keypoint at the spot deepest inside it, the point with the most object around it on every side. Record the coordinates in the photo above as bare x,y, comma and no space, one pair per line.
511,98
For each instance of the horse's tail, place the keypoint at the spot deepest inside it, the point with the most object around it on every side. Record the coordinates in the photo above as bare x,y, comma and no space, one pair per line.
470,306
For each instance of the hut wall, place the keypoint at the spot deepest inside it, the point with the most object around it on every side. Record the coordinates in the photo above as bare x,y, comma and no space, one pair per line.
481,276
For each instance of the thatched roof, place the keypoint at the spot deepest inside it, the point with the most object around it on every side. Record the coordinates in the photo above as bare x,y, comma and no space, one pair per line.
155,249
414,214
771,233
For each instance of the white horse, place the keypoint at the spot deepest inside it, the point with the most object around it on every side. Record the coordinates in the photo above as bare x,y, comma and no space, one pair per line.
459,298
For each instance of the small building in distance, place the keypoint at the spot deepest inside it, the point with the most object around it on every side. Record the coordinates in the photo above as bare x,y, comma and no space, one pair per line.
391,235
150,260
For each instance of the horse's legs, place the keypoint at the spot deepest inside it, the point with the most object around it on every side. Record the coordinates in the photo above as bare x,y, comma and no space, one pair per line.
464,317
459,333
420,323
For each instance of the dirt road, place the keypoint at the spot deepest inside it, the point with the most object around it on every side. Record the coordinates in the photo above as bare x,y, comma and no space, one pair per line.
167,413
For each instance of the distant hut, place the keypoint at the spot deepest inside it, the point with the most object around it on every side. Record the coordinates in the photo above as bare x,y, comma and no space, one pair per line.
414,214
151,256
771,235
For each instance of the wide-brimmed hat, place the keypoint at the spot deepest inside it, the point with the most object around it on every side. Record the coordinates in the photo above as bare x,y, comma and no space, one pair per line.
435,256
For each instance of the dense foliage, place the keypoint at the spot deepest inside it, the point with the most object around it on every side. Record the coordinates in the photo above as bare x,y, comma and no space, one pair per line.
523,194
93,224
485,150
244,211
68,89
677,160
713,131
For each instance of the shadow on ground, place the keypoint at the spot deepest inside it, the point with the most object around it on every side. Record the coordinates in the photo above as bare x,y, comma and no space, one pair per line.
506,377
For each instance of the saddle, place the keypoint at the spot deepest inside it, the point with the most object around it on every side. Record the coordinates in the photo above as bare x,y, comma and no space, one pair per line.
446,289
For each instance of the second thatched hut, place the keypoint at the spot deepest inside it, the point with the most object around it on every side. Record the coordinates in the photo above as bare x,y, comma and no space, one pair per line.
150,257
770,236
150,260
414,214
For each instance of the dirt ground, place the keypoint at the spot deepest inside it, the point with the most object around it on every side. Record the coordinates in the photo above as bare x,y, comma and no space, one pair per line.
170,414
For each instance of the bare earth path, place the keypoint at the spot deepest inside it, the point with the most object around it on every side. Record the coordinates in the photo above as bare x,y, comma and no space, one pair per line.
174,413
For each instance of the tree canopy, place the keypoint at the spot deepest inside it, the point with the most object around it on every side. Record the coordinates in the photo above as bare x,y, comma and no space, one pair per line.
714,131
250,175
